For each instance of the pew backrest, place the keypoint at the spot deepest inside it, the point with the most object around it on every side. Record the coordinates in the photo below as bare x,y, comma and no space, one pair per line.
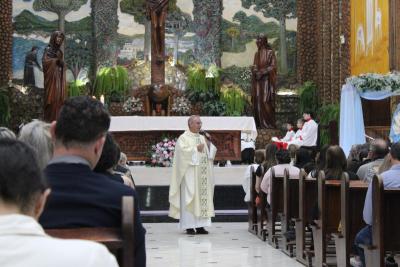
119,241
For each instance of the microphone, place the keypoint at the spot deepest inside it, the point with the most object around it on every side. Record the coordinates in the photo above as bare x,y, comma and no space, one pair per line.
205,134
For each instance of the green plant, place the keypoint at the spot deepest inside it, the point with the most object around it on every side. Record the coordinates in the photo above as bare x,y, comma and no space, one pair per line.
327,113
202,80
214,108
76,88
4,106
308,97
234,99
111,80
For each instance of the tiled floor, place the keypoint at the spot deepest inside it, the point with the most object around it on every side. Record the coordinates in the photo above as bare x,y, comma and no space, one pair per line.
228,244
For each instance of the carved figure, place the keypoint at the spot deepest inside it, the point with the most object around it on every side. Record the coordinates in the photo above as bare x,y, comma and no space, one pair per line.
157,11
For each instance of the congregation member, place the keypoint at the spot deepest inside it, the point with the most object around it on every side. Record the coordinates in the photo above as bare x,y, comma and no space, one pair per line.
23,195
377,152
259,157
37,134
336,164
391,179
6,133
320,162
81,197
292,149
109,160
304,160
247,147
270,160
122,167
283,160
191,190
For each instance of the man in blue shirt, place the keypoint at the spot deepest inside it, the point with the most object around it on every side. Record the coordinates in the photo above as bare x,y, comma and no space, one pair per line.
391,179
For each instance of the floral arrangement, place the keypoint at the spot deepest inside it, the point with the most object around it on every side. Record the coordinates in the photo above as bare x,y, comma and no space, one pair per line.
181,106
234,98
162,154
133,105
376,82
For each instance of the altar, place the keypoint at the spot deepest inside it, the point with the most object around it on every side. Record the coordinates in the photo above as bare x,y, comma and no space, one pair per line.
136,134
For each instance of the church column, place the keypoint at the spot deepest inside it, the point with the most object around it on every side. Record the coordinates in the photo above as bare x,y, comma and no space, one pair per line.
306,41
6,32
105,25
207,18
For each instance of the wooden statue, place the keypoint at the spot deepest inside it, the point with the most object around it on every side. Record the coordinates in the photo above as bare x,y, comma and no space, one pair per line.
54,70
157,11
264,72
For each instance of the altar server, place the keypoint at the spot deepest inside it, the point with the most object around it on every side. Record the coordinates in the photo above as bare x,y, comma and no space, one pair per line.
309,133
192,183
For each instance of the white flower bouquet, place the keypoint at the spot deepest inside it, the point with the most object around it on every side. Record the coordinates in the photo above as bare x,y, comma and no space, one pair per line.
181,106
133,105
375,82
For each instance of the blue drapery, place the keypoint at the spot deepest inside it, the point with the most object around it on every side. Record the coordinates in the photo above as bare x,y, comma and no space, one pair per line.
352,130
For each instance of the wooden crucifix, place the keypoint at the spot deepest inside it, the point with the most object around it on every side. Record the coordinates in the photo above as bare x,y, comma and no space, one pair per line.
157,12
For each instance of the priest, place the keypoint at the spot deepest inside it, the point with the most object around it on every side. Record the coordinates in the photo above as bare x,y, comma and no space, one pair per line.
192,183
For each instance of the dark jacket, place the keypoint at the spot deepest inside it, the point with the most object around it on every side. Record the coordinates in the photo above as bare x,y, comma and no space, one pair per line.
83,198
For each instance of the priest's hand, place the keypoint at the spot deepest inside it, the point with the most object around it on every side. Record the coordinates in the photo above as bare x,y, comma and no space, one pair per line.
200,147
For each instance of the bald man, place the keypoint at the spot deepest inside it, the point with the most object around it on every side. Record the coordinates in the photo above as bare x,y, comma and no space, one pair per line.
377,151
192,183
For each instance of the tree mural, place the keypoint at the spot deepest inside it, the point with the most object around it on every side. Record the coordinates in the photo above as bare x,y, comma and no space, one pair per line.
207,20
6,32
61,8
233,32
280,10
137,8
178,23
79,53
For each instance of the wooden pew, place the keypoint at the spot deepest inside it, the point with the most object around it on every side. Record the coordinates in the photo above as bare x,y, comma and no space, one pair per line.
276,207
352,204
252,209
262,216
119,241
329,217
307,198
290,209
386,221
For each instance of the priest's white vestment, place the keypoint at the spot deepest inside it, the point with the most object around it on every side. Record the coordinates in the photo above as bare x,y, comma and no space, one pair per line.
192,183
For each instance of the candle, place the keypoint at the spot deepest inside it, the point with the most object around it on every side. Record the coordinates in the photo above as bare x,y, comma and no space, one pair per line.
102,99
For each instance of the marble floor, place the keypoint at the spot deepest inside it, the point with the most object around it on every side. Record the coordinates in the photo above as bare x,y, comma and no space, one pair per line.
228,244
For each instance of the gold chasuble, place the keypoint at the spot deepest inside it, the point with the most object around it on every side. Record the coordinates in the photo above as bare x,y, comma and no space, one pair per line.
192,181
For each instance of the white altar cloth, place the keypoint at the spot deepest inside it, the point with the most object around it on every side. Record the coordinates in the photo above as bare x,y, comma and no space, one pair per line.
159,176
144,123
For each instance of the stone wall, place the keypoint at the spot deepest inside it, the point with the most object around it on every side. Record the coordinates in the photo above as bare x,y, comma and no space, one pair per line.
25,106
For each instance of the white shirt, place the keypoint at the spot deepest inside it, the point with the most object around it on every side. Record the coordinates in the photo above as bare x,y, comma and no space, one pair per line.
289,136
309,133
24,243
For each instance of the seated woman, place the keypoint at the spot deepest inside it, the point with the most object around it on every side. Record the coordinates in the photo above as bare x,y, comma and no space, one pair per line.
109,159
336,164
283,160
270,160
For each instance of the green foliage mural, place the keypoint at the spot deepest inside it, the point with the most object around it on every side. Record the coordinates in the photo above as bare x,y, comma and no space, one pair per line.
26,22
61,8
